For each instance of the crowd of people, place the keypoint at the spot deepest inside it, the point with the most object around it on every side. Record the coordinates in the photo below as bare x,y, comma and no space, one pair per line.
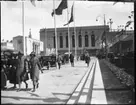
17,67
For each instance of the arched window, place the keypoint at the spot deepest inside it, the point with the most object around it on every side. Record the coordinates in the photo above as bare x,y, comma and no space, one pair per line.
67,41
93,39
86,40
54,41
80,41
73,41
61,41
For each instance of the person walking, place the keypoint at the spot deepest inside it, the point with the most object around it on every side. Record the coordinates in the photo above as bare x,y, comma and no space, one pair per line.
87,59
12,70
71,57
59,60
34,70
21,71
3,77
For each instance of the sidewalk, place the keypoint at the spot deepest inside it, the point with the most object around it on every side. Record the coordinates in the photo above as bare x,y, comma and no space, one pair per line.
55,86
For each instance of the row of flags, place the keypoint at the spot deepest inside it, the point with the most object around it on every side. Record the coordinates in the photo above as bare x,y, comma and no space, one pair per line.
63,5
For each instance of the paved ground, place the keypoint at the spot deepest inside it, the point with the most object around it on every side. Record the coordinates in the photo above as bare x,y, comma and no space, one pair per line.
55,86
74,85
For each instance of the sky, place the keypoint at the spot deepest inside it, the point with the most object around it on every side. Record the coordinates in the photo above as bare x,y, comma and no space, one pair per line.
39,16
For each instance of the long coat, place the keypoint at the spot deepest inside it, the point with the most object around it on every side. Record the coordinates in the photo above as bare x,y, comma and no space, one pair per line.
71,58
3,78
12,71
35,67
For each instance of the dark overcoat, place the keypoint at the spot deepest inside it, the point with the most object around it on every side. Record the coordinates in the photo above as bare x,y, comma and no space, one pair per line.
71,58
35,67
20,65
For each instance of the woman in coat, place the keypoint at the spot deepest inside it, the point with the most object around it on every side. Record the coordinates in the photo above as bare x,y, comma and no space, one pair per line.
34,70
59,60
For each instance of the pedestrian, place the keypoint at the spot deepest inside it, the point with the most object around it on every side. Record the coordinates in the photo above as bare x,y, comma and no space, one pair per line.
3,77
12,70
34,70
21,70
87,59
71,57
59,60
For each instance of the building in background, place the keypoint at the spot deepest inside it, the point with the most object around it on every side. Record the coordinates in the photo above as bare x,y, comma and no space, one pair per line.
121,42
30,45
87,38
7,46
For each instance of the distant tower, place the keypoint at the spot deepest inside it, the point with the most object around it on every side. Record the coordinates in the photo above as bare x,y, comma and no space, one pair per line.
30,35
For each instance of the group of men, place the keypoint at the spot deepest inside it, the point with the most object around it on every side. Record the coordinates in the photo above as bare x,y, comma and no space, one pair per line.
17,68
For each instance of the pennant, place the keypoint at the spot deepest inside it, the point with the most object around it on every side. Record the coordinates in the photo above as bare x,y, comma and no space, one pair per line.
71,19
58,11
33,2
117,2
128,23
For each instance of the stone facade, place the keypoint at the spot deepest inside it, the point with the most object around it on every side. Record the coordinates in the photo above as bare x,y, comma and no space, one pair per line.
30,45
84,38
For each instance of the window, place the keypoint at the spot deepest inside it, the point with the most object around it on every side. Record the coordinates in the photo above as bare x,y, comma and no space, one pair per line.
86,40
93,40
73,41
61,42
67,41
80,41
54,41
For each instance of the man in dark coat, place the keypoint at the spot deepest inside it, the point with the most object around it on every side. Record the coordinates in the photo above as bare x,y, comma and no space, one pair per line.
87,58
34,72
71,57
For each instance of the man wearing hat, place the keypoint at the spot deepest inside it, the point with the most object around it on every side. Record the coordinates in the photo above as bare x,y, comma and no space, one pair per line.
34,72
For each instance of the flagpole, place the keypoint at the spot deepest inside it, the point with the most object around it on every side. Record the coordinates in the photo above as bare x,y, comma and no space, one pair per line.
55,29
68,32
75,34
23,27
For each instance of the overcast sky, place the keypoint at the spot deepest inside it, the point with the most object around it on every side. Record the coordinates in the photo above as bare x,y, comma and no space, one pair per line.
40,16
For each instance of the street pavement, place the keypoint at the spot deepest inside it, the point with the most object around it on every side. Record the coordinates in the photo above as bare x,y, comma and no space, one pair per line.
95,84
55,86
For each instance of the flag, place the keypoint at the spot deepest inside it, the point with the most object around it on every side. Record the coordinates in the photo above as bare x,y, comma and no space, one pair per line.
128,23
33,2
71,19
58,11
117,2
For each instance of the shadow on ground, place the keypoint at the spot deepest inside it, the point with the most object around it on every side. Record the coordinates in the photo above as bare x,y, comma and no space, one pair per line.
54,99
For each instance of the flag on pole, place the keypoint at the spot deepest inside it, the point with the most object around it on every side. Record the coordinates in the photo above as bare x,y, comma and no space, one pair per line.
58,11
33,2
128,23
71,18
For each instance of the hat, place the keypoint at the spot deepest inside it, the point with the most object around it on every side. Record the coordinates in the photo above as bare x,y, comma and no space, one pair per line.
32,53
19,53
